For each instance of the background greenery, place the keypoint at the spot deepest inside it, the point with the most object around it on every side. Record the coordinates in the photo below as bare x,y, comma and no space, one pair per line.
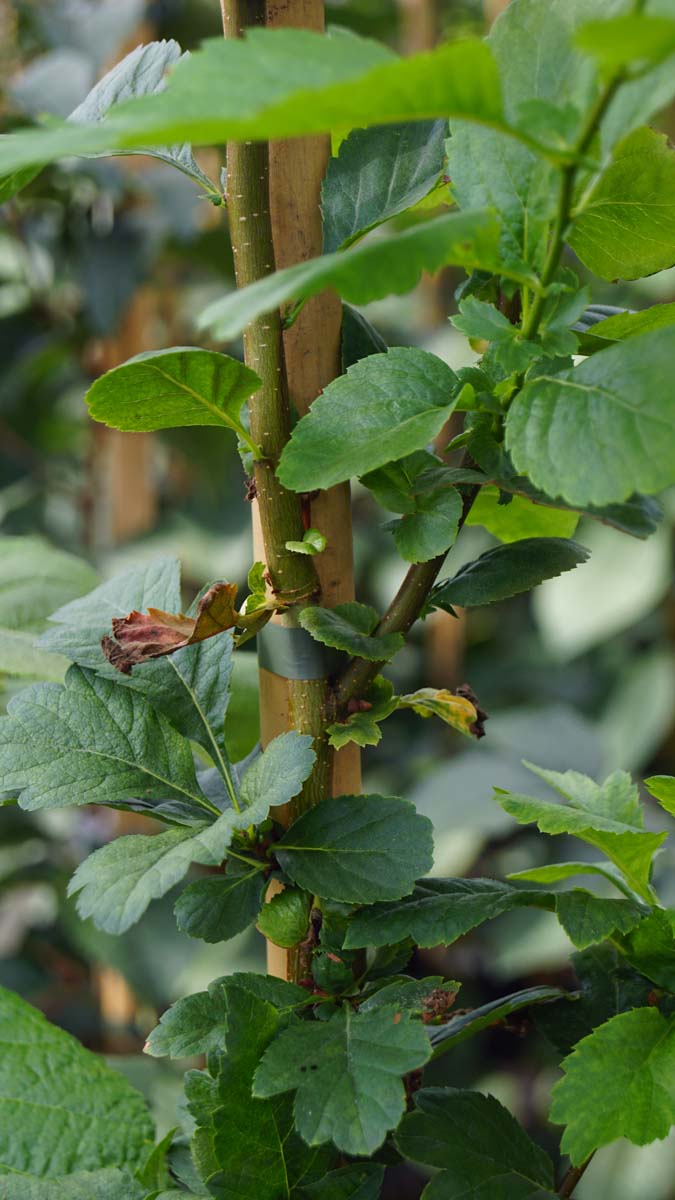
100,259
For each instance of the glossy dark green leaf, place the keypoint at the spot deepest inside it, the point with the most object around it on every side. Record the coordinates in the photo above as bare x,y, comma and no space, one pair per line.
351,627
347,1075
588,919
357,849
217,908
284,919
466,1024
507,570
360,1181
432,528
481,1149
378,173
650,948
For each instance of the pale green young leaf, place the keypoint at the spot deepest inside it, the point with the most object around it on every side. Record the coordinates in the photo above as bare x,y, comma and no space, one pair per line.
36,578
431,528
438,912
520,518
217,908
624,227
369,270
92,742
617,796
467,1024
663,788
378,173
627,39
347,1075
350,627
357,849
618,1082
556,427
481,1149
284,919
555,872
164,389
246,1148
248,89
507,570
411,394
588,919
106,1184
64,1110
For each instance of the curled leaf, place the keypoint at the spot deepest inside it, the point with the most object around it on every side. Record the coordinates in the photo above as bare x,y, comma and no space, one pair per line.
459,709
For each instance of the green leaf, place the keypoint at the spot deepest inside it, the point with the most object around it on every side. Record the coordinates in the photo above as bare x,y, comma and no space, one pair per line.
190,687
359,337
378,173
360,1181
464,1025
350,627
164,389
432,528
520,518
370,270
556,426
396,484
627,39
663,788
483,322
624,325
63,1109
618,1082
313,542
456,710
35,578
92,742
244,1148
347,1074
284,919
19,656
554,872
588,919
607,816
107,1184
357,849
217,908
481,1149
362,726
414,995
624,227
411,394
248,90
438,912
277,775
651,947
507,570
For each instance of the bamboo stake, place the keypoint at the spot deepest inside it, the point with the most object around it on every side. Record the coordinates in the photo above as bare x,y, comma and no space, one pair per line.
273,207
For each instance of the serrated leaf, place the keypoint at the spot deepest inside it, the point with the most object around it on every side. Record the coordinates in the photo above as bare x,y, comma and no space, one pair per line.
363,725
555,429
624,227
507,570
277,775
371,270
347,1075
378,173
650,948
431,528
166,389
463,1025
607,816
410,393
588,919
191,687
396,484
107,1184
217,908
618,1082
91,742
662,787
359,1181
284,919
414,995
35,578
438,912
357,849
249,91
350,627
520,518
247,1149
63,1109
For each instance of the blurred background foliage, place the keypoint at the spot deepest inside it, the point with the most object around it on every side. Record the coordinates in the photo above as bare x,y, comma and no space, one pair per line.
100,259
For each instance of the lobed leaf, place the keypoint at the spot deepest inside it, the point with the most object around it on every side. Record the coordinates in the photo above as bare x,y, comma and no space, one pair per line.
217,908
347,1075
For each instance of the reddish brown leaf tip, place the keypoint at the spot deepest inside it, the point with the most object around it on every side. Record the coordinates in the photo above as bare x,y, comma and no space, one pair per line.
139,637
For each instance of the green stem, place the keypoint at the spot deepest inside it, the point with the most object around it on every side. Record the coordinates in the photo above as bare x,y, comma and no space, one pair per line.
571,1179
